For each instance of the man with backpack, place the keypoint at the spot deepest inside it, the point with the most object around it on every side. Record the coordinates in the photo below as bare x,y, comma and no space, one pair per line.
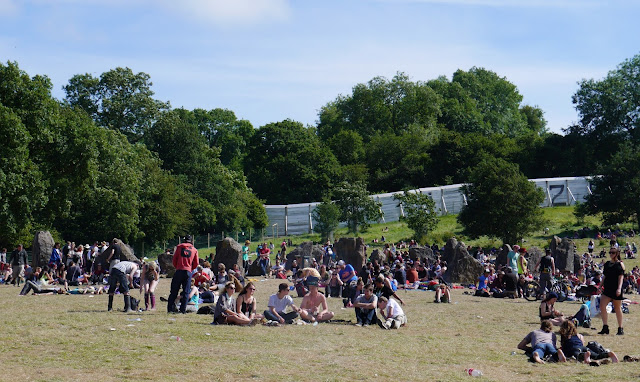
185,260
547,267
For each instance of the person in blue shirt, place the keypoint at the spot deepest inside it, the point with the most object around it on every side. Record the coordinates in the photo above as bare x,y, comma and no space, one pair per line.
349,279
482,288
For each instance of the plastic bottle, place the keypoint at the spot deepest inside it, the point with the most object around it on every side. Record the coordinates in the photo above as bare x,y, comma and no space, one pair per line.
474,372
175,338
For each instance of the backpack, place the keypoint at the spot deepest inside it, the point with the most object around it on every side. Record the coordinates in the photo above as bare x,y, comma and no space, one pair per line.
597,350
206,309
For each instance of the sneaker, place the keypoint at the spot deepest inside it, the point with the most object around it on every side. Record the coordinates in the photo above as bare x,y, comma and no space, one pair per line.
365,325
358,323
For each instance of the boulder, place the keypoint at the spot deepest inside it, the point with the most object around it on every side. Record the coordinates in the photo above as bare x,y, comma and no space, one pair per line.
127,252
462,268
166,264
534,254
377,255
42,247
563,251
304,254
503,255
424,254
449,250
228,252
352,251
254,269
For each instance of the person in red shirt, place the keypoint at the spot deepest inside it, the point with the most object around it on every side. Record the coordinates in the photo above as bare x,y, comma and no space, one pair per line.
185,260
412,274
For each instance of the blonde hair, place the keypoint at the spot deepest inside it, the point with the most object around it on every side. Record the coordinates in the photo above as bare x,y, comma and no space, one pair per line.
310,272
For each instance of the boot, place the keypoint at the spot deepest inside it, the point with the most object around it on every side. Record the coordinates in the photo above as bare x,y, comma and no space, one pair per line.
110,308
153,300
620,332
146,301
605,329
127,304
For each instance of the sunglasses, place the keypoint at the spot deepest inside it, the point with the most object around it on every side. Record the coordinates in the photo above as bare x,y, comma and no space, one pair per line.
252,288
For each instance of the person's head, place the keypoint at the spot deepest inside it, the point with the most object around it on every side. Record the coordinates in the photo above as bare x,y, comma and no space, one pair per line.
19,247
249,289
247,242
614,253
382,302
551,298
379,280
311,272
188,239
229,288
283,288
368,290
546,326
206,264
221,268
312,283
341,264
360,282
547,252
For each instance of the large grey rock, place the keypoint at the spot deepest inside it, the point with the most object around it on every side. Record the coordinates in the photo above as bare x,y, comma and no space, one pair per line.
126,250
42,247
352,251
228,252
377,255
166,264
462,268
304,254
449,250
503,255
424,254
563,251
534,254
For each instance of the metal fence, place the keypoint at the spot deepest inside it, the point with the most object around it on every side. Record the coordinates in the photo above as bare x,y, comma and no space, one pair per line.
295,219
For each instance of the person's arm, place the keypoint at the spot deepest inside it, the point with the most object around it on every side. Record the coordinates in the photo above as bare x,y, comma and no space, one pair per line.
143,276
239,303
553,266
195,262
253,309
398,298
174,260
156,276
194,290
325,308
525,341
535,269
620,279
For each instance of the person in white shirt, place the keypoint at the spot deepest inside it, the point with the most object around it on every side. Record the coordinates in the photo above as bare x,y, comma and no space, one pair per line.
392,315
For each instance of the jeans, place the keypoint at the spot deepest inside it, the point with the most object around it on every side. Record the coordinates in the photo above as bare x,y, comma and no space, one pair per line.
181,278
288,317
543,349
545,282
264,263
366,316
115,277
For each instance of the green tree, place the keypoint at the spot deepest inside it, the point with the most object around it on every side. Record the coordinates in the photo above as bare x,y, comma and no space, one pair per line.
119,99
357,208
381,106
327,218
419,212
501,202
288,164
615,192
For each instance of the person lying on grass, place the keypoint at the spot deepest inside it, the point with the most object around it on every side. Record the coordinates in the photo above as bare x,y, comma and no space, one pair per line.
573,345
543,343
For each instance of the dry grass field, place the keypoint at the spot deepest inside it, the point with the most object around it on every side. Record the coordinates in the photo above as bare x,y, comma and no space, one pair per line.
73,337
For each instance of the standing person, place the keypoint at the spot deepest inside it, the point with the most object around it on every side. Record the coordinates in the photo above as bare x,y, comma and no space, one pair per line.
590,246
3,255
148,282
512,258
522,262
313,307
122,273
245,255
283,249
56,256
547,267
114,254
185,260
349,279
278,304
18,261
612,278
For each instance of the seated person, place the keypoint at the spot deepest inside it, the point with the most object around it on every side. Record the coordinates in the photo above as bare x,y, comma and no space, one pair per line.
423,274
443,294
543,343
98,274
365,307
392,314
548,310
276,269
383,290
482,287
246,303
235,270
225,312
314,305
300,287
193,299
497,287
510,283
412,274
334,287
199,277
573,344
278,304
73,273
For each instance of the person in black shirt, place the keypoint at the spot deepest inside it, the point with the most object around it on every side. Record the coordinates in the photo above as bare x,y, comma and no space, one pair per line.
612,278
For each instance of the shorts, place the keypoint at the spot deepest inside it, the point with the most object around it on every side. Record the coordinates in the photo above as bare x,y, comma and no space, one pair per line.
612,294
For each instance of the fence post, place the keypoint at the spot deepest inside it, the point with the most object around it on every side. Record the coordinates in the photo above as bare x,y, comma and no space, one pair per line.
286,221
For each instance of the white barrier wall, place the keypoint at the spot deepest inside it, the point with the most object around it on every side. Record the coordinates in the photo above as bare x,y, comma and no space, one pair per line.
294,219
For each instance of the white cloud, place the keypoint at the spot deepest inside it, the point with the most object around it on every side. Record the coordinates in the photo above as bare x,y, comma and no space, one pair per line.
225,12
7,7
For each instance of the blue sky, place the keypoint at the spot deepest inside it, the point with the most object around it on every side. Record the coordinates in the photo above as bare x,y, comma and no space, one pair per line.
268,60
